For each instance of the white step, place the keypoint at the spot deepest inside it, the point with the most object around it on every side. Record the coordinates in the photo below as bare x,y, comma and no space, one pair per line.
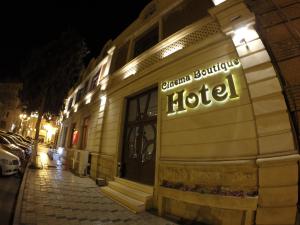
141,187
128,191
130,203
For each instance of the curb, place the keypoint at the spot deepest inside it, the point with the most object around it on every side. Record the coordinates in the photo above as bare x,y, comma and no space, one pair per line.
17,214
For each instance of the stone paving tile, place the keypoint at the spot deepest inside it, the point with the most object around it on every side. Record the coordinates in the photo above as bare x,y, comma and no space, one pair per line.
57,197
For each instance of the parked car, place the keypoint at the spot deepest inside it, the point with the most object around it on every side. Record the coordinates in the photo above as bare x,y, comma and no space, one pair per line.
9,163
16,142
27,140
12,148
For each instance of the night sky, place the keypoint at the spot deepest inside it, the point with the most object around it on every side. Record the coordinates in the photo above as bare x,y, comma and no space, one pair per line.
24,27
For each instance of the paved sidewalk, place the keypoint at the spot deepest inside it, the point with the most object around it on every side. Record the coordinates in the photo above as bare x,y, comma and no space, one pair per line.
57,197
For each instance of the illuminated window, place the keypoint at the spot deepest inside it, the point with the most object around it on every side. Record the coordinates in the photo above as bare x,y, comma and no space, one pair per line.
73,136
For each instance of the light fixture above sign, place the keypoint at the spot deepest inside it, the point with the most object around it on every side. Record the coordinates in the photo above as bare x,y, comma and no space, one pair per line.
170,50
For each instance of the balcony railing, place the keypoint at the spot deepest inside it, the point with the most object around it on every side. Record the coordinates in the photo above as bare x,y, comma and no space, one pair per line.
182,39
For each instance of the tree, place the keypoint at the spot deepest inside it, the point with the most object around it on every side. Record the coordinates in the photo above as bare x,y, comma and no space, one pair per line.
48,74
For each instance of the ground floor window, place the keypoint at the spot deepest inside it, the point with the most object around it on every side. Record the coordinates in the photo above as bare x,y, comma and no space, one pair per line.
64,135
84,132
74,136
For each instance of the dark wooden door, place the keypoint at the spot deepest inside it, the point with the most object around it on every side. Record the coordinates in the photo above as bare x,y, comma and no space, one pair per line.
138,158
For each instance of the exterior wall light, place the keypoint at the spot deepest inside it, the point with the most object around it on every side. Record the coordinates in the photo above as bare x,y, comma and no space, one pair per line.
23,116
243,35
218,2
103,87
75,108
88,98
102,103
130,72
12,127
170,50
103,99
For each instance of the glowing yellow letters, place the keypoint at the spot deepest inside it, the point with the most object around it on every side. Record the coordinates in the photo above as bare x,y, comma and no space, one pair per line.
180,100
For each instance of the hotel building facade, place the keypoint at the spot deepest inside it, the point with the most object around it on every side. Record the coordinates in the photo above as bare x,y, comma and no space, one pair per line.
186,112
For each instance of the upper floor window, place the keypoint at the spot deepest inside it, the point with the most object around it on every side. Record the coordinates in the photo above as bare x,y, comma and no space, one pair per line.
119,57
103,70
94,81
70,103
186,13
146,41
79,95
84,132
86,87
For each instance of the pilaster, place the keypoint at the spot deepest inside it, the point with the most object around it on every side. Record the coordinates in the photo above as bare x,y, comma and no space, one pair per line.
277,158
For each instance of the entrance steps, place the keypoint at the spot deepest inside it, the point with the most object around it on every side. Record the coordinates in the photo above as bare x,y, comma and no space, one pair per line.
134,196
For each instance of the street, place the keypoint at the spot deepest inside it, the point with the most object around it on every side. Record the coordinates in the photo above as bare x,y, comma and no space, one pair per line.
9,186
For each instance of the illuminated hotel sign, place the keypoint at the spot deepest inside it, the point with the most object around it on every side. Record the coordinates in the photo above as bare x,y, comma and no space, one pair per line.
180,101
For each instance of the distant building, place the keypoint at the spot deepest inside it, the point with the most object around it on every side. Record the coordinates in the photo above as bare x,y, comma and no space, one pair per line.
187,111
48,127
10,106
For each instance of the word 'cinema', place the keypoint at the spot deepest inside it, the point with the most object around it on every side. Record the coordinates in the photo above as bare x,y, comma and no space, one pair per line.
201,73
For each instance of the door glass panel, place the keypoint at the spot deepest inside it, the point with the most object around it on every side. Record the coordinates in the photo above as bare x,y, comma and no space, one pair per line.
148,140
152,109
149,132
132,142
143,104
132,110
